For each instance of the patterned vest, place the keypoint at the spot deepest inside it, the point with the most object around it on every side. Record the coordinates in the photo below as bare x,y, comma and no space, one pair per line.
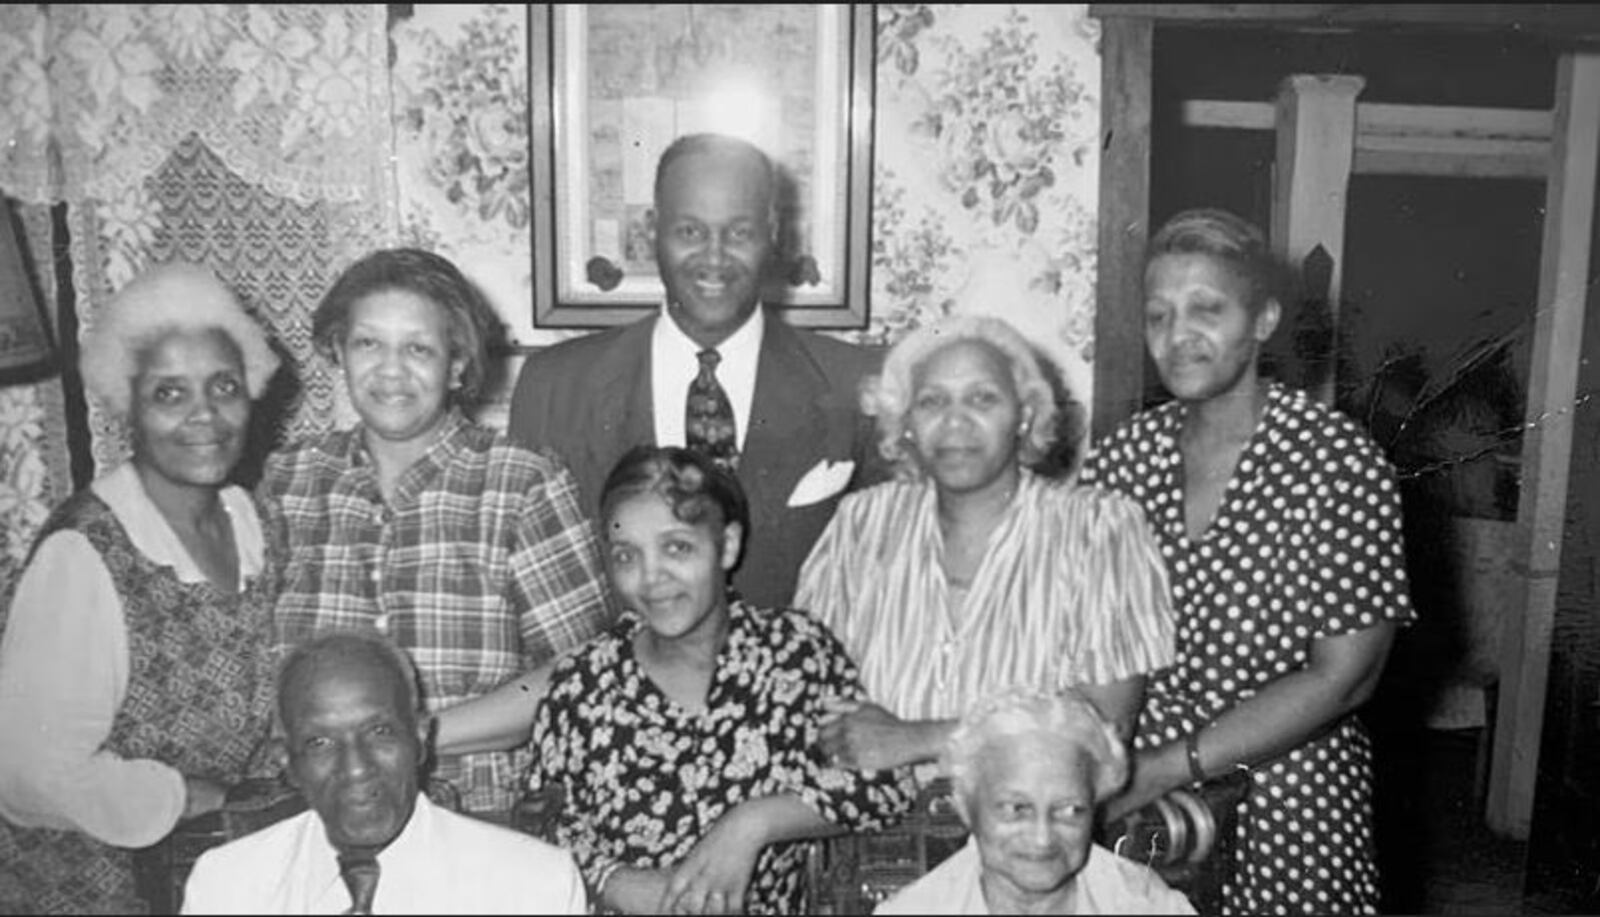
200,681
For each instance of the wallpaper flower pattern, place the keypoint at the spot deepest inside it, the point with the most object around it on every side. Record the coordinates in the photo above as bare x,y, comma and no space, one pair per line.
462,167
187,131
985,176
257,138
986,186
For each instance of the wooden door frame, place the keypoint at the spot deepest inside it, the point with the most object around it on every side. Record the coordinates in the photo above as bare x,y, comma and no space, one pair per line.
1127,52
1126,60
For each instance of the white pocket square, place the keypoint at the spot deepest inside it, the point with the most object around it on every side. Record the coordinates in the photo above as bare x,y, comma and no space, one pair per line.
823,481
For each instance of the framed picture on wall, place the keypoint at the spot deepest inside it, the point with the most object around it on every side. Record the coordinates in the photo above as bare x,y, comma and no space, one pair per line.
611,85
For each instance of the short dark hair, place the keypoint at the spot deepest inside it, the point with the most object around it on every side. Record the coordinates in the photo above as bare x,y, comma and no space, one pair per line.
473,323
1228,238
698,491
716,144
346,643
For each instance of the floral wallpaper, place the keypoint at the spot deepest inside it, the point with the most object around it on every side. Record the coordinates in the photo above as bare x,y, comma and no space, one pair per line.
985,156
461,143
253,138
277,142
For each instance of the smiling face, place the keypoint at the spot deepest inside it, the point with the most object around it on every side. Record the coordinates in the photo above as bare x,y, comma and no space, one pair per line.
964,418
670,572
397,364
189,409
353,748
1031,812
713,234
1199,327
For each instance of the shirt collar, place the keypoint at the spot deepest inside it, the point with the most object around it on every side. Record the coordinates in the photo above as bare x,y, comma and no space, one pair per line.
405,853
123,491
741,346
451,439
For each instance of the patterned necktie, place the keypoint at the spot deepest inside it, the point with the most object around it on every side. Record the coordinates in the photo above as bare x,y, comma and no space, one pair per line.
708,418
360,875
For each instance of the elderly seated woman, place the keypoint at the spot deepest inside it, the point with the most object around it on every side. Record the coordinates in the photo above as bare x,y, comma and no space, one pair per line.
971,573
135,673
1028,769
685,738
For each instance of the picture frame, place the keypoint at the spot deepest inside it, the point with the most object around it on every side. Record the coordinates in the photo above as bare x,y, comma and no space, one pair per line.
611,85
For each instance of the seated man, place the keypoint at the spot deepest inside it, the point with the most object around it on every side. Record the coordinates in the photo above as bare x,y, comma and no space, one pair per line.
354,745
1028,769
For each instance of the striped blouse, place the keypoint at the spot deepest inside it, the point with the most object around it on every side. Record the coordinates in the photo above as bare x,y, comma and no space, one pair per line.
1072,589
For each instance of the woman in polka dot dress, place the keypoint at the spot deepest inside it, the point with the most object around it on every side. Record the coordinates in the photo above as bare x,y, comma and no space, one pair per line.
1280,525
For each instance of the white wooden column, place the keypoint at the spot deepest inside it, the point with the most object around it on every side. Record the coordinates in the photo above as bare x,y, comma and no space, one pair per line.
1547,442
1316,127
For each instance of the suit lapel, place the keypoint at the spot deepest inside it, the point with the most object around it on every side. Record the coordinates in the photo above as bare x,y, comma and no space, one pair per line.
788,427
626,411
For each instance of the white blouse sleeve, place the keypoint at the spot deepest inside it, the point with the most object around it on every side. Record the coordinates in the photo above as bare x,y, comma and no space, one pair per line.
63,676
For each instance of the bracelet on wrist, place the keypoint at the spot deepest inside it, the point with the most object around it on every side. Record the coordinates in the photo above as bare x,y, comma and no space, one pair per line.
602,877
1197,773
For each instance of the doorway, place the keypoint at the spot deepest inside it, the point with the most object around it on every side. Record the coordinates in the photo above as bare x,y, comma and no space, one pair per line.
1426,346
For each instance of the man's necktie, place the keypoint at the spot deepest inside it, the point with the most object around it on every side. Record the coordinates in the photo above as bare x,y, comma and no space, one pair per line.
708,419
360,875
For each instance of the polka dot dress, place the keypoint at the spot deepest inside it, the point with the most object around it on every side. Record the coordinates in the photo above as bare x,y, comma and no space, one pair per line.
1305,544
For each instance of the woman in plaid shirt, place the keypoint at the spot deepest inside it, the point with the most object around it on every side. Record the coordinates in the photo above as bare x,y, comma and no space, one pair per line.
469,551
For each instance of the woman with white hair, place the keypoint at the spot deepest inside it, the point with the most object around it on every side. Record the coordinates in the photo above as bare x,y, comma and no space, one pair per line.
135,674
1028,769
972,573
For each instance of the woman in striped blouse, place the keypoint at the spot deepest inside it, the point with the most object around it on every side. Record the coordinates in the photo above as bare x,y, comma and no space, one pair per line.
971,572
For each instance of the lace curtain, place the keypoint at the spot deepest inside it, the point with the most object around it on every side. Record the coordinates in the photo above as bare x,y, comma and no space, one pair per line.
255,139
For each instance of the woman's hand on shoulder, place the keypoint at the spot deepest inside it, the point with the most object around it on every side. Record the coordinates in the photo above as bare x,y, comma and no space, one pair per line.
864,736
1155,772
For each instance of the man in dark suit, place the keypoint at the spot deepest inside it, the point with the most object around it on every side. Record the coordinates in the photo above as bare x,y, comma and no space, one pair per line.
780,403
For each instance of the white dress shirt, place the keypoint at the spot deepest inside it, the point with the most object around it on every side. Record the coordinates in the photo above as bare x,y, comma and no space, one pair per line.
442,863
64,675
675,361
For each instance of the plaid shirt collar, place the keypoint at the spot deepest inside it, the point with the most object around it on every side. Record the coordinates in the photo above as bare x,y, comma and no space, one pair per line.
453,436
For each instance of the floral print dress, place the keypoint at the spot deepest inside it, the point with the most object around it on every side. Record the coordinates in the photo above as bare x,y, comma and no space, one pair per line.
1305,544
644,779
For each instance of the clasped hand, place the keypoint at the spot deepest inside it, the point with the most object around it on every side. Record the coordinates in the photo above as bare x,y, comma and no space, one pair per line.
864,736
715,875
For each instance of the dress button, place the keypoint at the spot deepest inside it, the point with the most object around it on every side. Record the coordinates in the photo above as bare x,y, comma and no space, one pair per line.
376,574
382,623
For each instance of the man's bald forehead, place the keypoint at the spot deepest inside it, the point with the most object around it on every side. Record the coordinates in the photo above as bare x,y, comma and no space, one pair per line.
347,655
731,152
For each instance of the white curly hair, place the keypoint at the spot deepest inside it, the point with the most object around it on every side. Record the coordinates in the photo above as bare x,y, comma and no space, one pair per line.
887,397
1022,711
169,298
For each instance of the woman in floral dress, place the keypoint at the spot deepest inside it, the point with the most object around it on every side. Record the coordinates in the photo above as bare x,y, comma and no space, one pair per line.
685,738
1280,525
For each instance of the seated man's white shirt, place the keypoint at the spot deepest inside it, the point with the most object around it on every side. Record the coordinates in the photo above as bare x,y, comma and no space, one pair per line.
675,361
442,863
1107,884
